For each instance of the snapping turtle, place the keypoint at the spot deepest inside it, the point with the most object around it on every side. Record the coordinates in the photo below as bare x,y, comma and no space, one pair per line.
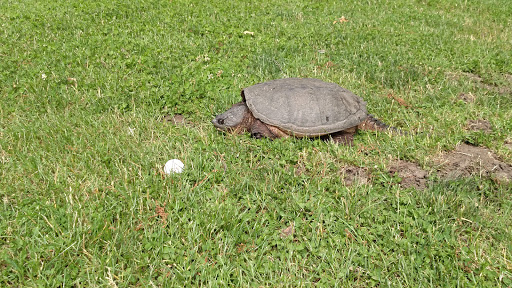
300,107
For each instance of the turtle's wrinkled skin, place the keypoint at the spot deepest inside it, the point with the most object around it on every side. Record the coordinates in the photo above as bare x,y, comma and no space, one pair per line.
300,108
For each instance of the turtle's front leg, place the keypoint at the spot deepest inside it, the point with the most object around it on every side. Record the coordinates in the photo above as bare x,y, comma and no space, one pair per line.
342,137
260,130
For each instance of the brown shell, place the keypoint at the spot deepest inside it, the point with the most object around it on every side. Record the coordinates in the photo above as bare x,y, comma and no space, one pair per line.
304,106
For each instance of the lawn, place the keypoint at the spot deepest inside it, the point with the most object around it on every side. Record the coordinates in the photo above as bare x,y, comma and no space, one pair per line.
96,96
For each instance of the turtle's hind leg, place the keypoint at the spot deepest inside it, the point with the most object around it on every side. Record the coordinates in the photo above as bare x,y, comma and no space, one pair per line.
342,137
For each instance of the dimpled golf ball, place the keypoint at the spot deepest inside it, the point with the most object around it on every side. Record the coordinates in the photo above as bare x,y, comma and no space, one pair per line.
173,166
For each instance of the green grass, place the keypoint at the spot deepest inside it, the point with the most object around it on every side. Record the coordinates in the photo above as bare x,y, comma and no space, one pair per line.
83,85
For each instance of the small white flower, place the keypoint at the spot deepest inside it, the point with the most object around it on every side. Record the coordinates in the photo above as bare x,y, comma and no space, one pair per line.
43,76
210,76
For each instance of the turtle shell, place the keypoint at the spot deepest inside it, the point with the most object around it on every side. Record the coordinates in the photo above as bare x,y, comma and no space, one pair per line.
306,107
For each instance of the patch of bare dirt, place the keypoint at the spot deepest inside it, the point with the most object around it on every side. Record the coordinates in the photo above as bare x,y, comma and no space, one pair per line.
508,143
505,88
353,175
479,125
299,169
508,78
176,119
467,160
411,174
288,231
467,97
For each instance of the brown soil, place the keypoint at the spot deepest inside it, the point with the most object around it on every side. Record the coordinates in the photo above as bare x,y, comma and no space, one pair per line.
467,160
175,119
508,143
351,175
479,125
410,173
479,82
467,97
288,231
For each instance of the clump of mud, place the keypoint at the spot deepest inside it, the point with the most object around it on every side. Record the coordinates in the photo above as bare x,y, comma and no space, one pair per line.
410,173
467,97
176,119
467,160
504,88
508,143
479,125
350,175
353,175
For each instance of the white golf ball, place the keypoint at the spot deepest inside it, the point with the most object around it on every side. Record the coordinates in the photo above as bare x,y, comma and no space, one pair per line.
173,166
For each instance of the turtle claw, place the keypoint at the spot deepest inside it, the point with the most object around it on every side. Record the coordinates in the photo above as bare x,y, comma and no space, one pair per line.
257,135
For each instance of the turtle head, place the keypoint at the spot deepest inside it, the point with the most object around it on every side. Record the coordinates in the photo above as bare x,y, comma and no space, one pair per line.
236,119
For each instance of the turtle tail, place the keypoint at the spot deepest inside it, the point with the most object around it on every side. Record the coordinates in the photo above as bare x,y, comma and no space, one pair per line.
374,124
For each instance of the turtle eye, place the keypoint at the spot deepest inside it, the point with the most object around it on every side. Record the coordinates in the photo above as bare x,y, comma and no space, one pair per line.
220,121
